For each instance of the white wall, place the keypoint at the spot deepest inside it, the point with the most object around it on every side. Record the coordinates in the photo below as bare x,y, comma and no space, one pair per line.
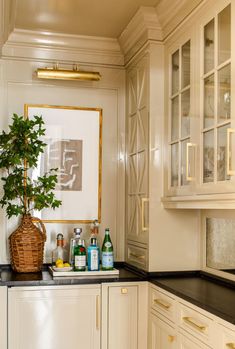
18,86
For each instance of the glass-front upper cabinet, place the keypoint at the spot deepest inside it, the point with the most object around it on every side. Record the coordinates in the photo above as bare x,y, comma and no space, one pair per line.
179,132
217,119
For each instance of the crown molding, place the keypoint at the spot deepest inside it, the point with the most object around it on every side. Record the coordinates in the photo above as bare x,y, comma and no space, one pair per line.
172,13
29,44
143,26
7,19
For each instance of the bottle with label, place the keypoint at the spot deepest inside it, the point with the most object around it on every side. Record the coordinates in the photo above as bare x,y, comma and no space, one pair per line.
93,255
107,252
73,243
59,252
80,256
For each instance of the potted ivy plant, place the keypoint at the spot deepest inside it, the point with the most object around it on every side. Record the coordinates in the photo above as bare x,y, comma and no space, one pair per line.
20,149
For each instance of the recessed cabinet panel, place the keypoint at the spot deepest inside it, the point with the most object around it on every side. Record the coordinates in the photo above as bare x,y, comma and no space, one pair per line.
137,153
122,317
132,134
142,135
162,335
132,178
132,88
54,318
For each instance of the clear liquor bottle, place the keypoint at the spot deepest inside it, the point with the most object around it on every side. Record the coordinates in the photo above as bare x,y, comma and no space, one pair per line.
59,252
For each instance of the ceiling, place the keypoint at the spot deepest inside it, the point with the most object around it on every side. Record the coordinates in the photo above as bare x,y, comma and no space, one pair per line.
104,18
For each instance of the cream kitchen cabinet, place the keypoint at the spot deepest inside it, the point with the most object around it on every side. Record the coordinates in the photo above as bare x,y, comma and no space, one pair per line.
3,317
124,315
137,152
200,109
54,317
176,323
162,334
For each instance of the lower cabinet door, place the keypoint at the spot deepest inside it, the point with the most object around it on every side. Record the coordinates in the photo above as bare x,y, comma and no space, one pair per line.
122,317
190,342
161,334
54,317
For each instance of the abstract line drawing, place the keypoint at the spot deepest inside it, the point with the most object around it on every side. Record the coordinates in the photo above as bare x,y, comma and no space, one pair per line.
66,156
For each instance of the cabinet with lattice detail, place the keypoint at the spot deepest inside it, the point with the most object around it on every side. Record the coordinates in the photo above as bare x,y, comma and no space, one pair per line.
143,115
137,152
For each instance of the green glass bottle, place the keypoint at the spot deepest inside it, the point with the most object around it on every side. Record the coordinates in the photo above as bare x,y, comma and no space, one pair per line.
79,256
107,252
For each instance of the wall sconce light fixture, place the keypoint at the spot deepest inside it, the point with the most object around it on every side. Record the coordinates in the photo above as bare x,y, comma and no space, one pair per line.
64,74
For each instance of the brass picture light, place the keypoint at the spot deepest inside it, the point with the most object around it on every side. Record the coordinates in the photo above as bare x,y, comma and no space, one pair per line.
65,74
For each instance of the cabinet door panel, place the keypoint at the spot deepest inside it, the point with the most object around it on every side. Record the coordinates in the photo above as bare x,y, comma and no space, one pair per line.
122,317
54,319
162,335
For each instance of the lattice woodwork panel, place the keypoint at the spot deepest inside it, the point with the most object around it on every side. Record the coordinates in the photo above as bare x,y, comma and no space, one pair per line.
132,178
142,173
132,134
142,129
132,215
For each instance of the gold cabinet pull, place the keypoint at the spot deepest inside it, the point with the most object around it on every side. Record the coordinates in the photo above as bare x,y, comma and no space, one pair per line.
135,255
97,312
230,172
162,303
230,345
188,172
124,290
190,321
171,338
143,202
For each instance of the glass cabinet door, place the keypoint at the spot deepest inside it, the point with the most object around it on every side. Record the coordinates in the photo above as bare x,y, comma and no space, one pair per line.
180,103
216,133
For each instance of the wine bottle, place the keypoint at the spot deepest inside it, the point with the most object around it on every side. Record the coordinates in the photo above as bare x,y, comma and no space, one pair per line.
107,252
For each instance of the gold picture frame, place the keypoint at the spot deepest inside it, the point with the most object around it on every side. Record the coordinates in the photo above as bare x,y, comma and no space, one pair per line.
69,131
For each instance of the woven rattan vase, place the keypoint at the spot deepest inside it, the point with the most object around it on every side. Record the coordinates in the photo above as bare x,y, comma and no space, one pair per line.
27,246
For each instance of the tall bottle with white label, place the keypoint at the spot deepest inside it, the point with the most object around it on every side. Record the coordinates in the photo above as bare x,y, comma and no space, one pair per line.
107,252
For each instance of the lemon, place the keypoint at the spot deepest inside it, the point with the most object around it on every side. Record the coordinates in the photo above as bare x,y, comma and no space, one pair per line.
58,261
66,265
60,265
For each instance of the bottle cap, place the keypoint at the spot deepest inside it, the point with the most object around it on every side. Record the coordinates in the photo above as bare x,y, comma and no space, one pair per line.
60,236
77,231
93,241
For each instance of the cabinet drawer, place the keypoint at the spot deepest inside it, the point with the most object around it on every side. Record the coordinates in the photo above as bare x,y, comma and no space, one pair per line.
227,337
137,256
196,323
163,304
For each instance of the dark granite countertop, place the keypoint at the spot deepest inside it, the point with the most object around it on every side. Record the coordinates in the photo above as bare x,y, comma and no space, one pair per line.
201,290
44,278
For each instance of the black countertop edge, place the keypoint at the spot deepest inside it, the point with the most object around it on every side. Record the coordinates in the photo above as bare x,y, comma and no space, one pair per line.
173,274
200,304
217,279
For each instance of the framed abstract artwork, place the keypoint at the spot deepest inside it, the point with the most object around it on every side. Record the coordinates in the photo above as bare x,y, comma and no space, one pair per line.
74,146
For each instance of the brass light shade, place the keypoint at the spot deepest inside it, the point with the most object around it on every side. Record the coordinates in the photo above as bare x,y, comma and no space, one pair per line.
64,74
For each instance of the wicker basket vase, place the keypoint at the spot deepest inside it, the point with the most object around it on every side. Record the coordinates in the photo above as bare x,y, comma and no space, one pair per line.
27,246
